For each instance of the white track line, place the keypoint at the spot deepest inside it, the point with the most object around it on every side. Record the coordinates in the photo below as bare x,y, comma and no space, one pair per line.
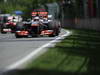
35,52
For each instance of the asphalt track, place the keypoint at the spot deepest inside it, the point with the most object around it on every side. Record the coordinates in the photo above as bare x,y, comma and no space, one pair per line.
16,51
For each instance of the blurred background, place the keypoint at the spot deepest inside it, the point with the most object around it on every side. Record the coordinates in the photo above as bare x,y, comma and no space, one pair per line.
83,14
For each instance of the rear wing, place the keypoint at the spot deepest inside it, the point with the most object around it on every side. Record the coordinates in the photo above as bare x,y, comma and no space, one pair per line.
40,13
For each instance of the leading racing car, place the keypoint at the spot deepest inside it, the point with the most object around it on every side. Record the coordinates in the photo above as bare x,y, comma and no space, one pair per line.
40,24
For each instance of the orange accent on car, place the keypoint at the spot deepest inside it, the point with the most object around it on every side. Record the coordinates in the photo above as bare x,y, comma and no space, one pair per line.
22,33
35,25
47,32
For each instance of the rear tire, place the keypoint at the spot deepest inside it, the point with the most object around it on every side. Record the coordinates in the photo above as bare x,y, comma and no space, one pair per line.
54,25
51,25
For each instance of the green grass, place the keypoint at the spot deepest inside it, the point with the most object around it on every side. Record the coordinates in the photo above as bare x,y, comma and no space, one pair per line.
55,59
77,54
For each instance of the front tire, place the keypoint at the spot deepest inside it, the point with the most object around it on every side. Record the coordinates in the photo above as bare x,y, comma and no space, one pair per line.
17,36
3,31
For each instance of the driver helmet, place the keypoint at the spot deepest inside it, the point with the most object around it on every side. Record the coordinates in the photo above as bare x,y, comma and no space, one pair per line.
36,18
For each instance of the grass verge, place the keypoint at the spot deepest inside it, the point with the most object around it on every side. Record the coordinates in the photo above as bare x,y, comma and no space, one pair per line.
77,54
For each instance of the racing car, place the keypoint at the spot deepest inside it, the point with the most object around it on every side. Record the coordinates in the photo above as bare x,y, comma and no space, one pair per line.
38,25
8,24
